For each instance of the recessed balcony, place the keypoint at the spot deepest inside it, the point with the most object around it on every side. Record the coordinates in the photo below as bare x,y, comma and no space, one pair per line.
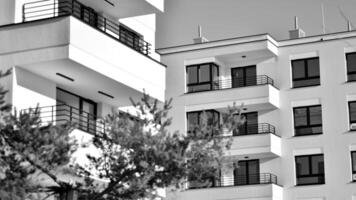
254,92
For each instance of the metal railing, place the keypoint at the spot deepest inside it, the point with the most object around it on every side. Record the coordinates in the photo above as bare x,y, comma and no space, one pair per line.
239,180
242,82
55,8
227,83
62,113
253,129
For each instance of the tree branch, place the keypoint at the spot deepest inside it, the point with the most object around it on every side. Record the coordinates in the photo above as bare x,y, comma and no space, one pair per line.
44,170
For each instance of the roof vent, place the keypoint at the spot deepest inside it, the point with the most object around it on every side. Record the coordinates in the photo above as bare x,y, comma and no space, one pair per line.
297,32
200,38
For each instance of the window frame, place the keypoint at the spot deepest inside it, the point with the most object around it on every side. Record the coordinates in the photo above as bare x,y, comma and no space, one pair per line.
347,69
350,121
211,81
353,162
309,156
308,120
306,77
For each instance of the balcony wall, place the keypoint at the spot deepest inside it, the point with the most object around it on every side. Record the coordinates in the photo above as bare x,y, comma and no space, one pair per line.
260,192
258,97
256,146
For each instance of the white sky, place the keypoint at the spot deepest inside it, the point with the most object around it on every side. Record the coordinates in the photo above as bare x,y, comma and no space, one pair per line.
233,18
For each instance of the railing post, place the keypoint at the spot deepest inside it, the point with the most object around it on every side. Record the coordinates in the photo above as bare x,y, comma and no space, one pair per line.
88,122
52,114
70,113
104,24
23,13
147,46
54,8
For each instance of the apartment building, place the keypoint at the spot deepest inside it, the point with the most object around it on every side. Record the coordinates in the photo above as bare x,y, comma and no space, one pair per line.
299,101
78,60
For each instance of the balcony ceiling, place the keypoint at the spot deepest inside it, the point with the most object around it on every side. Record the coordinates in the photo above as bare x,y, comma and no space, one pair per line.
245,57
86,82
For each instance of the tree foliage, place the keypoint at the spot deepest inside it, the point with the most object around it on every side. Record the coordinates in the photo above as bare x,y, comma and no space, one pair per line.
134,155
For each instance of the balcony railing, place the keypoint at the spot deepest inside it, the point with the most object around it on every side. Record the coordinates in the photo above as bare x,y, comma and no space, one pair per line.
56,8
253,129
243,82
228,83
61,113
239,180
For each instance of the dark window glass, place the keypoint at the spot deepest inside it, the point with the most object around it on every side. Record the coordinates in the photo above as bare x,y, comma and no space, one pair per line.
315,115
247,172
201,77
305,72
308,120
250,125
243,76
76,109
353,157
352,111
204,73
192,75
300,117
310,169
351,66
298,69
195,118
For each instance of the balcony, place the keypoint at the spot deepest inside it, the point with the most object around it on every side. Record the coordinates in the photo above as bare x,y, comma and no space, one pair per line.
51,8
255,92
57,50
254,186
255,141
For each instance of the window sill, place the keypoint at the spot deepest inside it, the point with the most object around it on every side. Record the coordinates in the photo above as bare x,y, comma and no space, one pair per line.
306,86
311,184
314,134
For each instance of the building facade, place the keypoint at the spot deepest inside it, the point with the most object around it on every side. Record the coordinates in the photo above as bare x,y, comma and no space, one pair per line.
299,101
78,60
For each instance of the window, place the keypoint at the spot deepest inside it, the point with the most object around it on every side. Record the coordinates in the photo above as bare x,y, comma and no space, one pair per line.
310,169
305,72
201,77
307,120
74,108
353,161
351,66
352,112
243,76
195,118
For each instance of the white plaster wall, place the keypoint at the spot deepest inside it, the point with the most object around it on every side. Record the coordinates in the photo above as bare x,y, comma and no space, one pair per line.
30,90
7,14
115,60
335,140
333,94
